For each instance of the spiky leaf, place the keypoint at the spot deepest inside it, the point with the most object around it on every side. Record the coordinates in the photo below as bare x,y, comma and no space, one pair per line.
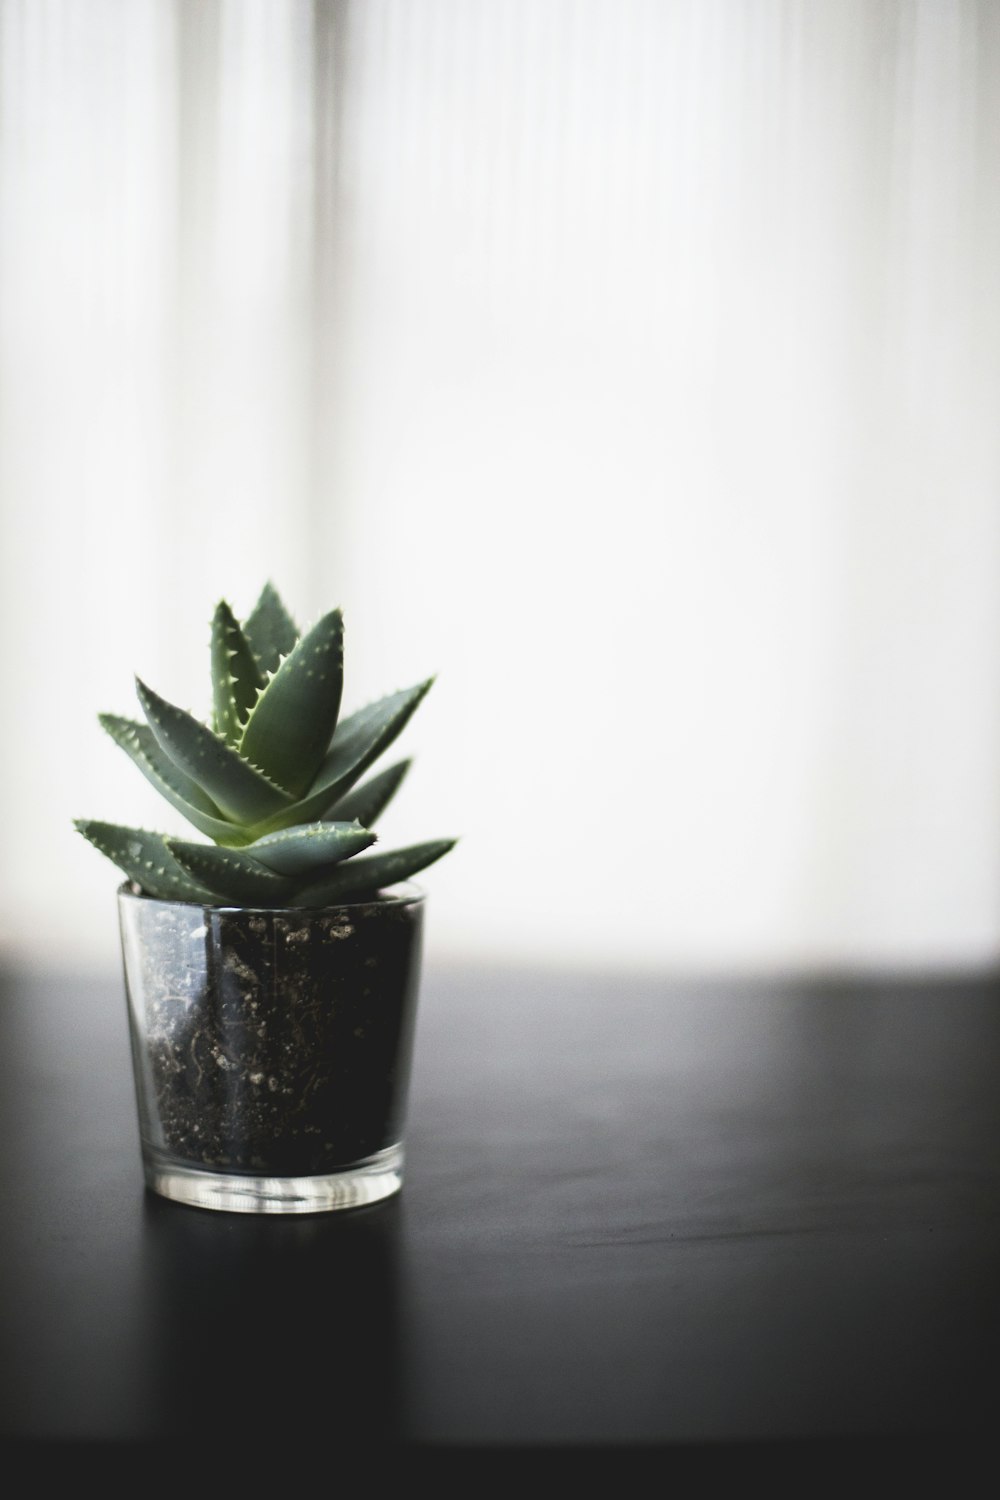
139,742
236,677
359,740
291,723
270,630
241,792
367,802
231,874
144,858
303,852
358,878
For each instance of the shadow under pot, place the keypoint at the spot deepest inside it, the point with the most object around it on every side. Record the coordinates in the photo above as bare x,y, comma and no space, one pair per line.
272,1048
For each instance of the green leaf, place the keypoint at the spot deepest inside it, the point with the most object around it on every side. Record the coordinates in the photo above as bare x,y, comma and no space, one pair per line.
241,792
366,876
290,725
231,874
144,858
358,741
139,742
304,851
367,802
236,677
270,630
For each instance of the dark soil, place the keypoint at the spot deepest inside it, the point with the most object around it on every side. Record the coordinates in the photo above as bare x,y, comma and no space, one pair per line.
273,1042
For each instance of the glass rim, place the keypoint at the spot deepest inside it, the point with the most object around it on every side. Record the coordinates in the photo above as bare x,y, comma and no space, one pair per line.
401,893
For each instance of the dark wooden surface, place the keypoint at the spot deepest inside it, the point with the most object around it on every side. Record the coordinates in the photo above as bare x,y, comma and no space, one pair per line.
640,1215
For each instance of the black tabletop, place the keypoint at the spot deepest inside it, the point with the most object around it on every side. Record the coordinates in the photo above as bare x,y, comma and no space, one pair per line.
640,1214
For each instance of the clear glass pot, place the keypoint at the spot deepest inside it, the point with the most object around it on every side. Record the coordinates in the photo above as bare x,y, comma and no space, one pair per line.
272,1048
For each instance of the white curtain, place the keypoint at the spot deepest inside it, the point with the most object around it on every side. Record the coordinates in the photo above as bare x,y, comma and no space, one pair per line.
634,364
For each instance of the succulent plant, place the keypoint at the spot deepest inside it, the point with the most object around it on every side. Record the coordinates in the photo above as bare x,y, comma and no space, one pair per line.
272,780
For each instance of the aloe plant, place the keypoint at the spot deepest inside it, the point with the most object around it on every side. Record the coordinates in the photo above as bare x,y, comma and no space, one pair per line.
274,780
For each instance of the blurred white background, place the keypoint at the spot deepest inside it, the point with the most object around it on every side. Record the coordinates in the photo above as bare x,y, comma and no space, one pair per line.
632,364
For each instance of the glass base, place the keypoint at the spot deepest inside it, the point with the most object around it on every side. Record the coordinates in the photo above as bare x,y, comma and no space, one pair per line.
367,1181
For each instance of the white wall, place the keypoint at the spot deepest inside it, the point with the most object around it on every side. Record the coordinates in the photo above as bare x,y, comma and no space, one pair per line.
633,365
